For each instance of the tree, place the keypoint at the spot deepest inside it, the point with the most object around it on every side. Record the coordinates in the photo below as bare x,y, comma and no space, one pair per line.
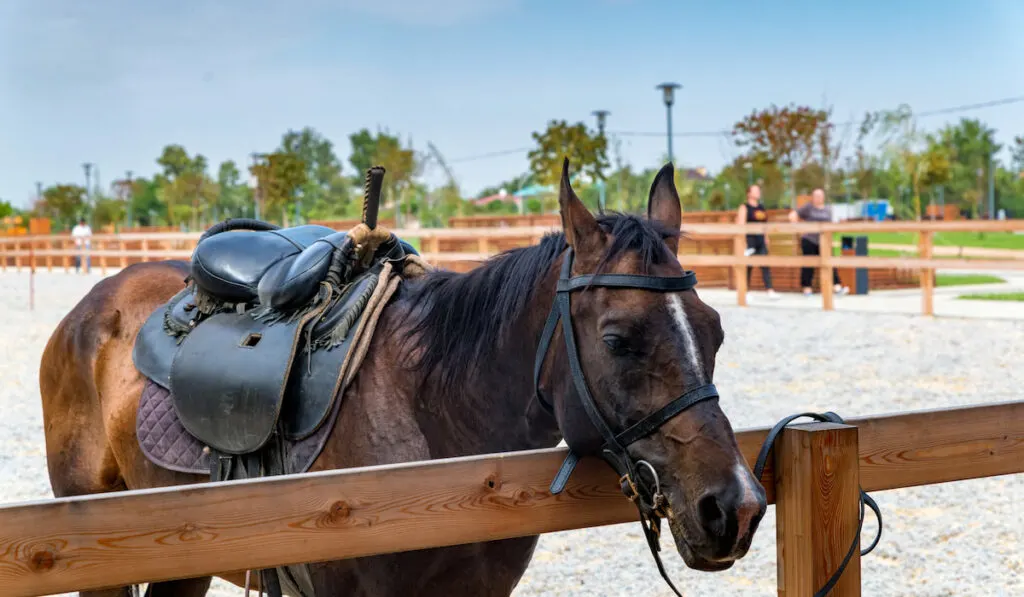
108,210
862,165
280,177
66,201
6,209
176,162
588,153
969,144
233,198
322,166
1017,153
787,136
385,149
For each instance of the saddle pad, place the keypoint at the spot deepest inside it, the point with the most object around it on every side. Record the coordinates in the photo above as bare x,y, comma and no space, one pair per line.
167,444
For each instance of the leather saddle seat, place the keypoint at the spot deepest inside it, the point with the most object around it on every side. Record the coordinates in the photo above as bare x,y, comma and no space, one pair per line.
229,266
279,269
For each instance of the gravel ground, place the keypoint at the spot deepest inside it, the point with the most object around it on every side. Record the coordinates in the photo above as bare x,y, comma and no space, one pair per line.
954,539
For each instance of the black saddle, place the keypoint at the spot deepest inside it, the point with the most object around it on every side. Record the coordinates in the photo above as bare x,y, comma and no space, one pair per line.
265,355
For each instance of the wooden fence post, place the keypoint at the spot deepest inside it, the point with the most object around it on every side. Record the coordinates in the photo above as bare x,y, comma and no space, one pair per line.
927,275
739,274
825,274
817,480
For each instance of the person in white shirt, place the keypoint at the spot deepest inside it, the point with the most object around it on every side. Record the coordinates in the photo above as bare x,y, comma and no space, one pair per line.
82,235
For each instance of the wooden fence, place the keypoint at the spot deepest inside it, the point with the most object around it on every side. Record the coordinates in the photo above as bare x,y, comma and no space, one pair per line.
715,251
92,542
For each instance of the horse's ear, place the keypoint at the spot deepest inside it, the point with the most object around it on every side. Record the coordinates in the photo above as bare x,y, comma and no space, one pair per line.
582,232
663,205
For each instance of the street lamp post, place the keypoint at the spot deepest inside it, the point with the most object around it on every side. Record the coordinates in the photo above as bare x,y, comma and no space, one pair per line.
750,173
668,91
727,196
602,116
130,196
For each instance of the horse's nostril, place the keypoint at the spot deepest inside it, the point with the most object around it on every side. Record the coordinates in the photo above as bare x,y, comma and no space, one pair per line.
711,515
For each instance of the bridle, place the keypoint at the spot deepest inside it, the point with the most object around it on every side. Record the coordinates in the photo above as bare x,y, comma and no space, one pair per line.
643,490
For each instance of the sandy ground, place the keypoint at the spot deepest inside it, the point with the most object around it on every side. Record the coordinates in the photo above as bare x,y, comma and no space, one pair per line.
961,538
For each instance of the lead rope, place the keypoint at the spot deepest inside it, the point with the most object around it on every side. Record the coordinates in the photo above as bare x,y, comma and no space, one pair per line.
762,460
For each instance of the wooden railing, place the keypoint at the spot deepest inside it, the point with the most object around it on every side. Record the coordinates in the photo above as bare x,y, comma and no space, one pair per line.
93,542
464,248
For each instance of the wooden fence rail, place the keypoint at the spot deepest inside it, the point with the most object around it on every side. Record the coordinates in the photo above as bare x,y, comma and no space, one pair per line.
132,537
112,250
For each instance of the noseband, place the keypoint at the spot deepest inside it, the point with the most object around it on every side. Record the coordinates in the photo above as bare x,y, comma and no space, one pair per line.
642,490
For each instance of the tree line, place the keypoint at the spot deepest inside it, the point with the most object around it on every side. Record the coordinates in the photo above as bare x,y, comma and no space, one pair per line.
788,150
791,150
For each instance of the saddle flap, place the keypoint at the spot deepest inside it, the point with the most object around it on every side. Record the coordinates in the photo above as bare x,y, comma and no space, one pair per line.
229,376
315,381
157,340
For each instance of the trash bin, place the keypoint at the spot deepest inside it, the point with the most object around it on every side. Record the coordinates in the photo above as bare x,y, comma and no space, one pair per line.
856,246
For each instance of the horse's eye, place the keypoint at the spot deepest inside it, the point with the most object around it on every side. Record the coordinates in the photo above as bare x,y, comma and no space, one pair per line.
616,344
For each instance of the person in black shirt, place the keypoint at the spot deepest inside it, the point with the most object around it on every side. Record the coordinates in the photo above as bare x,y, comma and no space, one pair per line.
753,212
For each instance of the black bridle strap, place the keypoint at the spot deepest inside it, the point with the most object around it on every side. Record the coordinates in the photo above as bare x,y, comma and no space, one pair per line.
762,460
653,421
663,284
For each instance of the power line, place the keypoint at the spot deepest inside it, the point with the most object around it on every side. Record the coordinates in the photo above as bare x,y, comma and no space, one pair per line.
492,154
728,132
954,109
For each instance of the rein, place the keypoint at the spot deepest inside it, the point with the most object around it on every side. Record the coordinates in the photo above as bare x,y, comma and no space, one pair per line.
645,490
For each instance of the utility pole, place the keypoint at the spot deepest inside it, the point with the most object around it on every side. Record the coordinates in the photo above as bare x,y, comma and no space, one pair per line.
602,116
991,188
131,196
668,91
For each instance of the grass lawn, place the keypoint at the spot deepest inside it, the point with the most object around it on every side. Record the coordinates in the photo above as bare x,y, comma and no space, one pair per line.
1006,296
966,279
990,240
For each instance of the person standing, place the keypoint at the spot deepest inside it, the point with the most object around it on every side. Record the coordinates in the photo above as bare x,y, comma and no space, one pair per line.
82,235
753,212
814,211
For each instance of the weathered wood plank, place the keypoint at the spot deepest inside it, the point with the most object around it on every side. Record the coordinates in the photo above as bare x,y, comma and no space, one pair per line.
95,541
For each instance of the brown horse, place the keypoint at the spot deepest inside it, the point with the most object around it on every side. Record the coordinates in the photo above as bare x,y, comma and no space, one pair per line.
449,373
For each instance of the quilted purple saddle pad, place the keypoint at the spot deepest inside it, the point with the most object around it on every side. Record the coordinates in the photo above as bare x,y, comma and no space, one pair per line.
167,444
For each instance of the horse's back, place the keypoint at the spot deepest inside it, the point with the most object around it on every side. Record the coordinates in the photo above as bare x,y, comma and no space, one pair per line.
88,383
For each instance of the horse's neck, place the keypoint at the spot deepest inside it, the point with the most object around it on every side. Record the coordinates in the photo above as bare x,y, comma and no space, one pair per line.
495,409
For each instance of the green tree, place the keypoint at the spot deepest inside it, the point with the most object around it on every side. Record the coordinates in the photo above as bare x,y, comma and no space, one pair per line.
323,168
6,209
108,210
1017,153
789,137
65,201
588,153
280,177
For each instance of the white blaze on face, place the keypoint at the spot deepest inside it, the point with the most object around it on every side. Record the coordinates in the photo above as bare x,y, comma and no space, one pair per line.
675,307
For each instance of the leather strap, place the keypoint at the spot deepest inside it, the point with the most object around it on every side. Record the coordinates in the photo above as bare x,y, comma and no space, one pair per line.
762,460
663,284
653,421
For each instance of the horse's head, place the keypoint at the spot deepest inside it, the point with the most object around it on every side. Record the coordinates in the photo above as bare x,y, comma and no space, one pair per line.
640,349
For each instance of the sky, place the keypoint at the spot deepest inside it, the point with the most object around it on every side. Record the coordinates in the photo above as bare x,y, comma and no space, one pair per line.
113,81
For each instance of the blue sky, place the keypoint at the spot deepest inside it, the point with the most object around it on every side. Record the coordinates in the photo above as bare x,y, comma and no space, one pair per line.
112,81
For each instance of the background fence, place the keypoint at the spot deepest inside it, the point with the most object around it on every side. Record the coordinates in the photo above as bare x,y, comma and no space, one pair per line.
714,250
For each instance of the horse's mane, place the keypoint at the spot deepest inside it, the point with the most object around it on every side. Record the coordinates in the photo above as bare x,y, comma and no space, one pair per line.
462,320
